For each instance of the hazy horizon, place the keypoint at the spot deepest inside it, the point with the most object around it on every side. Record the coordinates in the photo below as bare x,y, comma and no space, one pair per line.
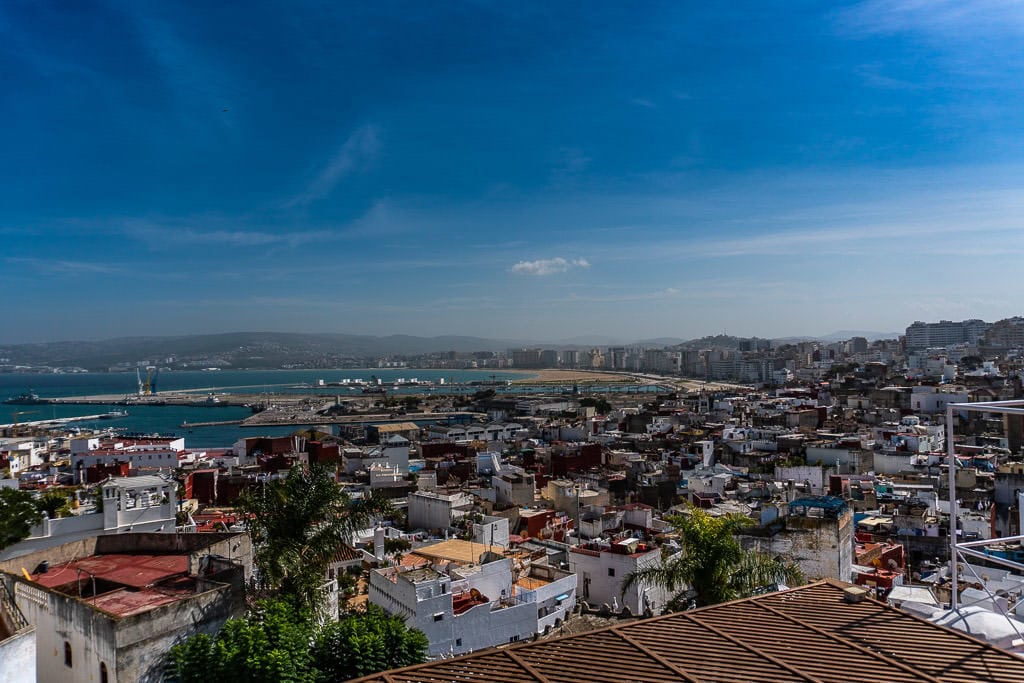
509,171
595,339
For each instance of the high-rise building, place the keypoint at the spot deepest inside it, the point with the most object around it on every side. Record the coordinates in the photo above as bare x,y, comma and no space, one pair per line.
922,335
526,358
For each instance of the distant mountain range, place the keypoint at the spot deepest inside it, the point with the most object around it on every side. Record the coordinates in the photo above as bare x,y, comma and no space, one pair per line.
274,349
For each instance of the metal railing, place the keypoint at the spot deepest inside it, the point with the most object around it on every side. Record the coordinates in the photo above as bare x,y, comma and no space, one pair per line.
975,549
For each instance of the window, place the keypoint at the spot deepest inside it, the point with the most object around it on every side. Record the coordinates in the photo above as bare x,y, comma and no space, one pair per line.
444,588
458,642
611,571
103,673
67,653
439,616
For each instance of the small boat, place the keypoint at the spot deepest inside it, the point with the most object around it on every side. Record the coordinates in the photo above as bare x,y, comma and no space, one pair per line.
114,415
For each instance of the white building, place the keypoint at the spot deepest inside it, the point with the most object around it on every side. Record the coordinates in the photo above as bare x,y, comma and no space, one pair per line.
129,504
929,400
432,510
515,486
140,453
17,643
601,567
108,608
464,606
21,453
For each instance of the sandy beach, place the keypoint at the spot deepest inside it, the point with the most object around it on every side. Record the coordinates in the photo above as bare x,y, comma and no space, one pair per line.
570,376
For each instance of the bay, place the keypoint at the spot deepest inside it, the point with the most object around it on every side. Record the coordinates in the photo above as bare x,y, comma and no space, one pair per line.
145,419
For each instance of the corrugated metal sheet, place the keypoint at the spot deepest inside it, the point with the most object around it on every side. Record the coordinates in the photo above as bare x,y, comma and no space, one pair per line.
805,634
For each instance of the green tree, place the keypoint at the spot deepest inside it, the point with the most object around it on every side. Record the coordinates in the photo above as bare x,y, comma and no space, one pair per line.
54,504
712,563
602,406
363,643
272,643
396,546
277,642
18,514
298,524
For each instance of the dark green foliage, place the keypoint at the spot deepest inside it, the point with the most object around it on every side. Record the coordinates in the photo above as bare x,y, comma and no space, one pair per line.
18,514
54,504
599,404
271,644
363,643
396,546
298,524
276,642
713,564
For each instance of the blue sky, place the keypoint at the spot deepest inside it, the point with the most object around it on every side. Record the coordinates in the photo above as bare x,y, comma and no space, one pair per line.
511,170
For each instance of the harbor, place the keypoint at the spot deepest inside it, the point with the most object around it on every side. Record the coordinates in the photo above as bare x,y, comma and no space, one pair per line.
212,408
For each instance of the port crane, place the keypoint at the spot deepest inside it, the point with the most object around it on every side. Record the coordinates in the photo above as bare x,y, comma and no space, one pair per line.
147,387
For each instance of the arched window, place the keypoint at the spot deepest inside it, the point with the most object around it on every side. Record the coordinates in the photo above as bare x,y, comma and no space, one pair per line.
67,653
103,673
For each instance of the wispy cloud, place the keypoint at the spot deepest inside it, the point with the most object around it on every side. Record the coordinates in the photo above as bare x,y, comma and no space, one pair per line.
570,163
667,293
355,154
174,233
943,18
548,266
62,267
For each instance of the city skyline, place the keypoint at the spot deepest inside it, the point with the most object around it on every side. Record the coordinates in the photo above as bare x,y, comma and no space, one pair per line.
513,172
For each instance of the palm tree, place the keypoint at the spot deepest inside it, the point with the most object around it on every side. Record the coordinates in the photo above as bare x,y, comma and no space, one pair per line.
713,565
298,524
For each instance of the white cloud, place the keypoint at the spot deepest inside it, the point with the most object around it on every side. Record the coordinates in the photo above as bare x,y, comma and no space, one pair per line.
943,18
356,153
62,267
175,231
549,266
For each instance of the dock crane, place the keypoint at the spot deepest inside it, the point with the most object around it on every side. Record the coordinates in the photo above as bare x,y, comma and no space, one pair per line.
147,387
14,418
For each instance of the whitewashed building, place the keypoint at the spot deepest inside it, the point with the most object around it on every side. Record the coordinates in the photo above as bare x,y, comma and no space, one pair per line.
462,607
601,567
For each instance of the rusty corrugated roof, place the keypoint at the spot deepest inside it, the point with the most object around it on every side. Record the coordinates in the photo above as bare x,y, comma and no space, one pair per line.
807,634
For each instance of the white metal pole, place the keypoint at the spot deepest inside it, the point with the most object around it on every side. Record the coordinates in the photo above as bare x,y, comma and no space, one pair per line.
953,555
1020,511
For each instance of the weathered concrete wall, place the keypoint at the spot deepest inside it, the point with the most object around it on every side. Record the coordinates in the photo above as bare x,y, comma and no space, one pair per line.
132,648
60,619
235,546
143,640
823,548
54,555
18,658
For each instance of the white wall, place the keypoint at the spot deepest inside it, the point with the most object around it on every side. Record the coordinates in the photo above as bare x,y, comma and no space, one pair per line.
18,657
801,474
428,511
597,586
492,531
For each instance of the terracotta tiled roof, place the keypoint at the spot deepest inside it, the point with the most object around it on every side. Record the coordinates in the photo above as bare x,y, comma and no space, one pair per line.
805,634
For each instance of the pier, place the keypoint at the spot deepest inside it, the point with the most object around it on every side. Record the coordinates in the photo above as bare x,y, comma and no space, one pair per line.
55,422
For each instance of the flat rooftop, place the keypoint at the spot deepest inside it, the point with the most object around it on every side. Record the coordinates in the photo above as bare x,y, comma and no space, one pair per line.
135,571
456,550
122,584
